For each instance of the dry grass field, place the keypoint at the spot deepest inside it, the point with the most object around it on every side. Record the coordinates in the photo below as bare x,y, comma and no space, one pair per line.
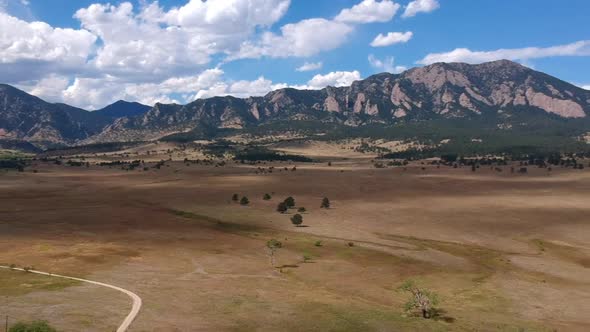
505,252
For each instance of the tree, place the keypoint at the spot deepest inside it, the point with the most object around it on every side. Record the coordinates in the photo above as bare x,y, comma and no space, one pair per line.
297,220
282,207
422,299
273,245
325,203
235,197
267,197
301,210
36,326
244,201
290,202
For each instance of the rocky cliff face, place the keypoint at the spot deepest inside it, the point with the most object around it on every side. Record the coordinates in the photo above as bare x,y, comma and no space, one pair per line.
452,90
442,90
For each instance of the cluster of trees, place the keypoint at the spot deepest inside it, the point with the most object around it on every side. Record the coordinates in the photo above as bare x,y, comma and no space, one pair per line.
243,201
267,155
17,164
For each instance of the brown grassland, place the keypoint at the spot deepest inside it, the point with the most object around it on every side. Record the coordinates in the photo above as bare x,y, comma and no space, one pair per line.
505,252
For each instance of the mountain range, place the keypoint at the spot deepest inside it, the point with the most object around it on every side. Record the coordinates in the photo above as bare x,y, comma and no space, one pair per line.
501,95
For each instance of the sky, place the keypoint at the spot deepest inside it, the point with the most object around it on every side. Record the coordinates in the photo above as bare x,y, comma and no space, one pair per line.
90,53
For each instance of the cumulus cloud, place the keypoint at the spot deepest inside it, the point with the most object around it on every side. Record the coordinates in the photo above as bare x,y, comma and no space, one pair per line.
335,78
420,6
580,48
94,93
310,66
151,53
386,65
312,36
243,89
391,38
37,44
369,11
301,39
155,43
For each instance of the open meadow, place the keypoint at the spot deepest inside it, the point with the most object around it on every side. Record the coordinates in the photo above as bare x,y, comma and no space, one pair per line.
504,251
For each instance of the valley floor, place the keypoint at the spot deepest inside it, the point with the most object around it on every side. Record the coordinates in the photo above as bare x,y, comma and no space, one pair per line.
505,252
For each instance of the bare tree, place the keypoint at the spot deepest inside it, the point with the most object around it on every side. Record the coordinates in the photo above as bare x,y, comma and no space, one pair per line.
273,245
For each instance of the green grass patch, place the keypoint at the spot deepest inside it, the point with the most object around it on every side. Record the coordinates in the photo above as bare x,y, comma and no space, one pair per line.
17,283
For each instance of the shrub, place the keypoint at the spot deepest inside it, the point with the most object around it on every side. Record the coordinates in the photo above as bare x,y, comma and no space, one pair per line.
35,326
266,197
297,220
244,201
422,299
318,243
301,210
235,197
325,203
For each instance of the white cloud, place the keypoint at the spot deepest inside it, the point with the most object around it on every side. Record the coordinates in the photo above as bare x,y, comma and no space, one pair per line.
151,53
369,11
139,44
301,39
242,89
420,6
335,78
94,93
391,38
585,87
580,48
25,47
386,65
155,43
315,35
310,66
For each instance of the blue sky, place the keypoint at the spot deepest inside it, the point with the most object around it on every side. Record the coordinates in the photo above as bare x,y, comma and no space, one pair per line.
179,50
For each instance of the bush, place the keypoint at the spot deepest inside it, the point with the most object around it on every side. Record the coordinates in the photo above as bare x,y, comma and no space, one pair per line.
325,203
297,220
235,197
422,299
244,201
301,210
267,197
36,326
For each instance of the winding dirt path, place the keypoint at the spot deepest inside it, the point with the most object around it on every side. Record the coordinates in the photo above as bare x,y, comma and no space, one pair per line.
136,299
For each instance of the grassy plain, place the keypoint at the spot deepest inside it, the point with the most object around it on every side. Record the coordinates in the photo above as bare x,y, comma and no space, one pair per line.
505,252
